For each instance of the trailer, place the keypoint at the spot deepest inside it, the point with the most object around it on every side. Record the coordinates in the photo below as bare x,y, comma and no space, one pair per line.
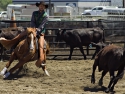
63,11
20,10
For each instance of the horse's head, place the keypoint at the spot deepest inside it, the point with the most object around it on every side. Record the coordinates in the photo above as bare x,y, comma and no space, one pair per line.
31,30
31,38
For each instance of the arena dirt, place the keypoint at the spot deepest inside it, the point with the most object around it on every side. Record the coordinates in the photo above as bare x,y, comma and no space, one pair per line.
66,77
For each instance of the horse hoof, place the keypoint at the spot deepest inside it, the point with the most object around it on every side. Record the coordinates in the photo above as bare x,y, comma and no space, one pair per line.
6,75
46,72
2,73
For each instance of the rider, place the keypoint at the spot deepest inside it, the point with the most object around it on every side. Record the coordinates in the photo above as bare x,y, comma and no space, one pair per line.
38,20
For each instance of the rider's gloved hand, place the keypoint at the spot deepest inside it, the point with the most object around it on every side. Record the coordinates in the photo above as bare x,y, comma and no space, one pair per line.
38,31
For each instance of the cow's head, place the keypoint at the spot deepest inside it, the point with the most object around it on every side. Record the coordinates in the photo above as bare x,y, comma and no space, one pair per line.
59,35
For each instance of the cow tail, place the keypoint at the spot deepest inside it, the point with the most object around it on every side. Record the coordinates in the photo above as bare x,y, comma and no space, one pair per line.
103,36
120,76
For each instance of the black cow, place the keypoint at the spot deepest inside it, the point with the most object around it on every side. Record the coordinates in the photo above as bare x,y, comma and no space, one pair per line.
8,33
81,37
110,59
99,46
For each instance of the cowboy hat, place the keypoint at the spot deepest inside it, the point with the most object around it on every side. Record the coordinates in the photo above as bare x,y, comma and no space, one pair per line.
41,3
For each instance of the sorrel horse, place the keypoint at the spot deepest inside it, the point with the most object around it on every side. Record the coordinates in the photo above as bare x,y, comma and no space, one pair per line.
26,51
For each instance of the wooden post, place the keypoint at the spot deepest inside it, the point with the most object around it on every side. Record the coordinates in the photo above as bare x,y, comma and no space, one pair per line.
13,24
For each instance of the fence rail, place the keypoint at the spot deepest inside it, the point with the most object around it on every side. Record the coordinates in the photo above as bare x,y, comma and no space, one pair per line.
111,28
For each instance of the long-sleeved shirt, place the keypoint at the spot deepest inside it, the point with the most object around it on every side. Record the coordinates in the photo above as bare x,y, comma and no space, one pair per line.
38,20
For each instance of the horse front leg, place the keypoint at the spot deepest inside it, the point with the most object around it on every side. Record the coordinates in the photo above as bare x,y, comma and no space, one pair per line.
21,62
18,65
19,70
43,64
12,58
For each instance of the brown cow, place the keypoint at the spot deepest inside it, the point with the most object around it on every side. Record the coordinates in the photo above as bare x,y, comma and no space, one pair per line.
25,51
110,59
8,33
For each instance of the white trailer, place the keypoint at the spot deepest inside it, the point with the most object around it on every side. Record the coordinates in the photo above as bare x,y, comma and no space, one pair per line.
63,11
20,10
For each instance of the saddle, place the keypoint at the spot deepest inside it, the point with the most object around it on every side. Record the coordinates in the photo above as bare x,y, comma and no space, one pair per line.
44,45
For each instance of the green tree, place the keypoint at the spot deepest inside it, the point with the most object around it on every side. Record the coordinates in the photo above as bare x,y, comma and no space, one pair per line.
4,3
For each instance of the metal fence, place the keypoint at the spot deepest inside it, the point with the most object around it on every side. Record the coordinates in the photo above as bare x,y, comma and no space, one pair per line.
114,31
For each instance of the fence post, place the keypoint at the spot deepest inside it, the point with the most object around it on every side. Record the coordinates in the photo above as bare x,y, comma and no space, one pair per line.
87,22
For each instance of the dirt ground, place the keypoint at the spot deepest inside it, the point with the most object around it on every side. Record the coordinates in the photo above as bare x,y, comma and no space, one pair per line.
66,77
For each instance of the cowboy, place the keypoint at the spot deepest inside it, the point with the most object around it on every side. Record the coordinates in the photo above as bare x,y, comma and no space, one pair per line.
38,20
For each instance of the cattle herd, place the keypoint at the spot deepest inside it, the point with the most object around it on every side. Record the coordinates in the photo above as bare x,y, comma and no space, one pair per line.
108,57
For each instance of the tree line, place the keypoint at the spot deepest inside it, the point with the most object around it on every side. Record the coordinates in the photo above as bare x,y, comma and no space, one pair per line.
4,3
